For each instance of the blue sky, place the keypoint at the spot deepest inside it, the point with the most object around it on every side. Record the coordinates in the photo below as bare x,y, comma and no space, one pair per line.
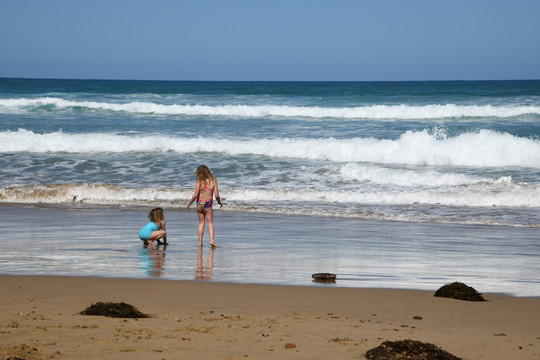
271,40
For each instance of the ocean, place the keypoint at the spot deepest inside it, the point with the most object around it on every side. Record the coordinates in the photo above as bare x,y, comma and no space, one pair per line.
463,154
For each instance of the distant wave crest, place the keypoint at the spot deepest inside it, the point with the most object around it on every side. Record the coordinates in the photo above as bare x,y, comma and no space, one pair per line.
392,112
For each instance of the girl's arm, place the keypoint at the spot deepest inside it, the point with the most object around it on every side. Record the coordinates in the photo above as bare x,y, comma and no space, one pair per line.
216,194
195,195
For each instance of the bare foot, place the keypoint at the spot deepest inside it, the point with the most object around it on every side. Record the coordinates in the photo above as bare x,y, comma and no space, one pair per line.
213,245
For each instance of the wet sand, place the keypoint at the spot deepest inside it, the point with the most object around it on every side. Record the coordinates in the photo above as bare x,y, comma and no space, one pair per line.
205,320
269,249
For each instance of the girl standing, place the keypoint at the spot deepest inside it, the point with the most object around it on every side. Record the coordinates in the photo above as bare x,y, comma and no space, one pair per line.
205,190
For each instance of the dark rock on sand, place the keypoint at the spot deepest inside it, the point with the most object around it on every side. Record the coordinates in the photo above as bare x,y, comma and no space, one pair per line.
460,291
117,310
408,349
324,277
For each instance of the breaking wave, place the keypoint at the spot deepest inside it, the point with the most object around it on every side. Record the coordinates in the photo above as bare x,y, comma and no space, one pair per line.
484,148
394,112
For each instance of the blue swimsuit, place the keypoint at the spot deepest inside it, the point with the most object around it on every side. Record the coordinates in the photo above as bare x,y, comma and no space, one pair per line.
147,230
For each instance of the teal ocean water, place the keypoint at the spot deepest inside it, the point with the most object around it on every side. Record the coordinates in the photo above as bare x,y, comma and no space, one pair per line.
454,153
458,152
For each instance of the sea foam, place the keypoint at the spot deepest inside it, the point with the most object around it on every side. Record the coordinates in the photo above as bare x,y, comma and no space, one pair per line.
483,195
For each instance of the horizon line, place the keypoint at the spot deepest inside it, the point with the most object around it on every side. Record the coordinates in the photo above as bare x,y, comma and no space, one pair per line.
254,81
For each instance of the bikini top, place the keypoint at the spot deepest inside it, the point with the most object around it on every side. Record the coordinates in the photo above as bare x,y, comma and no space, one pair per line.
206,188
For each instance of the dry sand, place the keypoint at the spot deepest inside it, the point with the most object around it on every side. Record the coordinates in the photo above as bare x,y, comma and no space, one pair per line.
39,319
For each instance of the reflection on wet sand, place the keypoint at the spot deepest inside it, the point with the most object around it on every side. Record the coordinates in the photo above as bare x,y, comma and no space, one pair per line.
205,272
152,260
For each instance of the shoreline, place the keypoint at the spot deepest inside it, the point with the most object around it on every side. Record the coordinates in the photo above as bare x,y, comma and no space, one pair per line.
312,284
201,320
270,249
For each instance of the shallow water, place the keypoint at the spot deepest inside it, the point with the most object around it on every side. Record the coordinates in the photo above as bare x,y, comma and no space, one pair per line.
271,249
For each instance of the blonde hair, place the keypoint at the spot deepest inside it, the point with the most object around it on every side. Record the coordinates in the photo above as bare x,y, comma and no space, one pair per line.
204,174
156,215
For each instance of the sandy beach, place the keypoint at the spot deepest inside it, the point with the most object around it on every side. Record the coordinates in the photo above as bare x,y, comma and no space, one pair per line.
204,320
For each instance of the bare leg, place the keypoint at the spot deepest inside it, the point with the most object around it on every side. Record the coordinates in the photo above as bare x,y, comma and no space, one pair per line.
201,227
158,234
210,219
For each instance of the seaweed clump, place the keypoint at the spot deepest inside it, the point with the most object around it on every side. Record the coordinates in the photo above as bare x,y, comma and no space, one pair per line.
116,310
408,349
460,291
324,277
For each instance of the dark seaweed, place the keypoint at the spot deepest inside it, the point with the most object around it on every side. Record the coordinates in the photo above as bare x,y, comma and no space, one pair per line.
408,349
116,310
460,291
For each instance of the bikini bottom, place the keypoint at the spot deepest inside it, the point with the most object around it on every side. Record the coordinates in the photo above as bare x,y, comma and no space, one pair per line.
202,205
